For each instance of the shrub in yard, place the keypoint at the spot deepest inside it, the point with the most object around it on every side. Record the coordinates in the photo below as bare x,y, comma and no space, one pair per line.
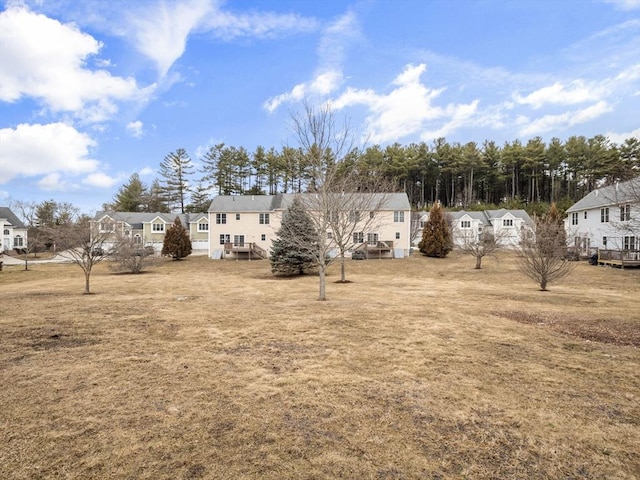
176,241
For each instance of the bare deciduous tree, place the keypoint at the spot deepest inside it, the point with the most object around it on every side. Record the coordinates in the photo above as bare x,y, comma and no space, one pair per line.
83,244
482,245
132,257
337,203
544,258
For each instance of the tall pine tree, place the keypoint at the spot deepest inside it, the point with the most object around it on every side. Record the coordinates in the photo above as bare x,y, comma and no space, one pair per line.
436,236
176,168
294,251
176,241
131,196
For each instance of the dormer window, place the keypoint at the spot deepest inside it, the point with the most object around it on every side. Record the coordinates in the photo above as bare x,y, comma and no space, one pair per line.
507,222
157,227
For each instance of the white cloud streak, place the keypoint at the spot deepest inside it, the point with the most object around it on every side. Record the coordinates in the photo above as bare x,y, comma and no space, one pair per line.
564,120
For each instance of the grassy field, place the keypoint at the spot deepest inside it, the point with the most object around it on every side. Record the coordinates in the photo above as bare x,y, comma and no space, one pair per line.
418,369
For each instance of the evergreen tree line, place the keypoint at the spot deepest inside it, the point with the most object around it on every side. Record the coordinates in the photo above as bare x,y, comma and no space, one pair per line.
457,175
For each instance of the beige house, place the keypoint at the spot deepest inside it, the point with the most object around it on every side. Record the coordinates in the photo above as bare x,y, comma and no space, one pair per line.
148,229
243,226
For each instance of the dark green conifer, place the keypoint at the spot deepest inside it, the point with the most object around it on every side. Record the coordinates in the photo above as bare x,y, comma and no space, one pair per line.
176,241
436,236
294,251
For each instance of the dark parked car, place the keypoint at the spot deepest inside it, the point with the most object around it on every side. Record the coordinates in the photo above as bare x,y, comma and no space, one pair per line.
358,255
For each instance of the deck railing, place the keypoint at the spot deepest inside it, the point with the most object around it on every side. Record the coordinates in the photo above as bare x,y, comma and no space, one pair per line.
619,257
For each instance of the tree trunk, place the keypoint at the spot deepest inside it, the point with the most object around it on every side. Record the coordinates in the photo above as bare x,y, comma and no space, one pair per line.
322,295
343,276
543,284
478,262
87,275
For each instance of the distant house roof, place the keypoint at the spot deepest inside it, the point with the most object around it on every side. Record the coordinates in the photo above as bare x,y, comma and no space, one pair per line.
281,201
7,214
487,217
623,192
136,219
480,216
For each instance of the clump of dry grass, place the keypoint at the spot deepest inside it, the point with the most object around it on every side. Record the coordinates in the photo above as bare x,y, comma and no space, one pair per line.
607,330
415,369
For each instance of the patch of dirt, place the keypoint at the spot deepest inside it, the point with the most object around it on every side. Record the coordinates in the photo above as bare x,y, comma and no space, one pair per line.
610,330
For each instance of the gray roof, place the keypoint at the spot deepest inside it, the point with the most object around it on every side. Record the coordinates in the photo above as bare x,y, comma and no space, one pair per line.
281,201
241,203
475,215
136,219
488,216
624,192
6,213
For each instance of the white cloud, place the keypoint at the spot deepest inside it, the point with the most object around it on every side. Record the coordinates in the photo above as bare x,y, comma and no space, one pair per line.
227,25
328,76
407,109
52,183
619,138
321,85
146,171
161,33
135,128
576,91
32,150
625,5
99,180
568,119
45,59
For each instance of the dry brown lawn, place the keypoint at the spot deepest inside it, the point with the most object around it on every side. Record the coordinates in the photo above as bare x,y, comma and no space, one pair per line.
419,369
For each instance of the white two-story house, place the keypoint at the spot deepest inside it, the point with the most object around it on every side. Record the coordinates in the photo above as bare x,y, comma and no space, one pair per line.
607,218
244,226
14,232
509,227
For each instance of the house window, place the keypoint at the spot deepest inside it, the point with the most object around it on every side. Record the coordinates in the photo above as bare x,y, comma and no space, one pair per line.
263,237
372,238
354,216
221,218
629,243
398,216
604,215
329,235
507,222
238,240
604,242
6,231
157,227
137,239
225,238
107,226
372,214
625,213
585,215
264,219
574,218
465,224
237,216
358,237
203,227
397,235
17,241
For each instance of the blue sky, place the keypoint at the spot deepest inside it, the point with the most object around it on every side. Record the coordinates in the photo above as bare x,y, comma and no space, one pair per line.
93,91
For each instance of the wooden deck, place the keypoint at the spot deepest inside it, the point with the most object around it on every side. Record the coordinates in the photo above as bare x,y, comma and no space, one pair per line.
247,250
619,258
382,249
